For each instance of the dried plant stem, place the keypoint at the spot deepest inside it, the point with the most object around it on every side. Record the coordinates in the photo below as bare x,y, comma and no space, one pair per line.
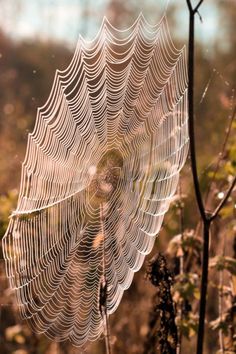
223,201
107,334
162,335
221,336
103,297
205,260
222,152
221,296
205,217
181,265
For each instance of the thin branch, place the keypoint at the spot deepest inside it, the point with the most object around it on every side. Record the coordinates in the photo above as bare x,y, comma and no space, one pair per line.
206,222
206,218
181,266
191,114
204,283
199,15
191,9
224,200
198,5
220,293
103,290
189,5
221,297
207,86
222,152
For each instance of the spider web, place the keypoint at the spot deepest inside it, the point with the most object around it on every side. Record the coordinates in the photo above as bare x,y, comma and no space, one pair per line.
101,167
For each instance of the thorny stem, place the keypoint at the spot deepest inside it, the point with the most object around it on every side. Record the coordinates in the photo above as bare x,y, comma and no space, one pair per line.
104,288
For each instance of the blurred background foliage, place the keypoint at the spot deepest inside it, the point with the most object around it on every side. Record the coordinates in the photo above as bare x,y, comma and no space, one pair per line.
38,37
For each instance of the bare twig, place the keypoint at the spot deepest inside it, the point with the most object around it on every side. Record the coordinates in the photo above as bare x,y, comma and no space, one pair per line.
206,218
198,5
191,9
220,292
181,266
206,222
103,290
191,112
207,86
189,5
222,152
223,201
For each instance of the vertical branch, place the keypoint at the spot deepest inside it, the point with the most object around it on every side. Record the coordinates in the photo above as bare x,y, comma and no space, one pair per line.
181,265
205,217
221,296
204,281
206,222
220,292
191,113
103,290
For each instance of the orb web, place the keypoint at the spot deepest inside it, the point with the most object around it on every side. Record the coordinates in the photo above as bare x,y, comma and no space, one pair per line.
111,138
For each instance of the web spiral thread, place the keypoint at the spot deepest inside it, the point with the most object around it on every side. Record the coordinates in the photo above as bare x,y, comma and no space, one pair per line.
112,136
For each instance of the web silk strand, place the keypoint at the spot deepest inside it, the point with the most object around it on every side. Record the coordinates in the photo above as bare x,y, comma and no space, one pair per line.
113,132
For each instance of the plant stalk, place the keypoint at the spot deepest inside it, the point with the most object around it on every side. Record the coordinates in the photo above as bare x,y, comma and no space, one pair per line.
204,281
206,221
